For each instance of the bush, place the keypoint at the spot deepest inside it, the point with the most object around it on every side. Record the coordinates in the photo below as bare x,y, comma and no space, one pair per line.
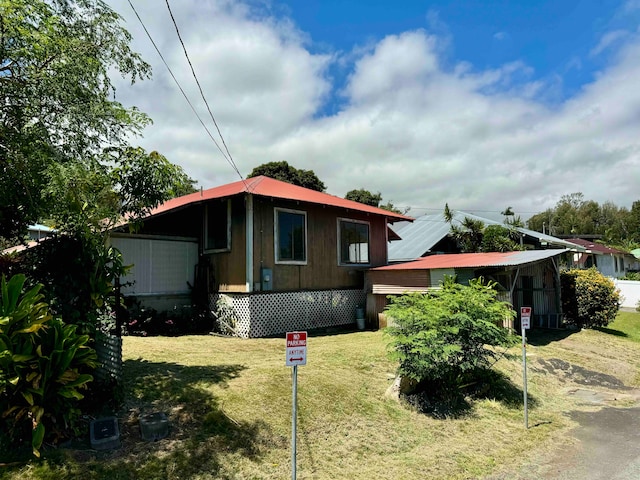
589,299
443,337
43,366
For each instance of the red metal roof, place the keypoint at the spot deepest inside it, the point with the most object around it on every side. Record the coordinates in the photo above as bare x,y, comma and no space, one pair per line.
269,187
475,260
593,246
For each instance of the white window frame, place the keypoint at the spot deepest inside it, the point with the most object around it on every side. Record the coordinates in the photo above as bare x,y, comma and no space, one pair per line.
276,237
339,244
206,230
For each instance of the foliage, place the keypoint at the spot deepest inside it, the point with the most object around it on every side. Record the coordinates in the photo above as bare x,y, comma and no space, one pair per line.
496,238
286,173
468,235
573,215
79,273
471,235
43,366
589,299
442,337
635,276
364,196
373,199
55,61
145,322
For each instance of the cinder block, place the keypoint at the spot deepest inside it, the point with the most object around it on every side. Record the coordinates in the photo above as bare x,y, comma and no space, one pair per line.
104,433
154,426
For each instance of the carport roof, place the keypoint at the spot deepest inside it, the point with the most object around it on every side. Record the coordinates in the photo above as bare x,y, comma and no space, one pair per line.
475,260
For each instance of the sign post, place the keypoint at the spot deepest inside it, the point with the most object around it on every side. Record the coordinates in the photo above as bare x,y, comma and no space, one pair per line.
296,355
525,319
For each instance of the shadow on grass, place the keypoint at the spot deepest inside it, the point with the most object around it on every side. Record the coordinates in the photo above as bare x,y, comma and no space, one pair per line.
200,434
539,337
611,331
443,402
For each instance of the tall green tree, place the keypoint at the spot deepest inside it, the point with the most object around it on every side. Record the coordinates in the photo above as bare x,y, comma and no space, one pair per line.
286,173
364,196
57,98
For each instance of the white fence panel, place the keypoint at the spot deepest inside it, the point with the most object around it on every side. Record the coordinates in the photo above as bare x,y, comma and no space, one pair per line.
630,291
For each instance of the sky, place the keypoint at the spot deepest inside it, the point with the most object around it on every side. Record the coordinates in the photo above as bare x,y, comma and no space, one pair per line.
481,105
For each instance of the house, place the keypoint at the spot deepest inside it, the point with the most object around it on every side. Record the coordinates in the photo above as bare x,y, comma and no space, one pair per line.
267,256
429,234
525,278
611,262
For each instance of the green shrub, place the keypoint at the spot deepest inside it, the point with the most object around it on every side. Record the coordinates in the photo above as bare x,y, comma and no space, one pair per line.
43,366
444,336
589,299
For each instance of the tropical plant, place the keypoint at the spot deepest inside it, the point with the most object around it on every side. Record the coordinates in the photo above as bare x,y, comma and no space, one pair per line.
43,366
589,299
444,336
286,173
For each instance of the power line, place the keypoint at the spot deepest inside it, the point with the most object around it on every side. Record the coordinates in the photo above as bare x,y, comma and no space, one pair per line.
230,161
195,77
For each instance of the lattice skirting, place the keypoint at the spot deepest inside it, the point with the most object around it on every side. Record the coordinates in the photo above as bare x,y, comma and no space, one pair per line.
267,314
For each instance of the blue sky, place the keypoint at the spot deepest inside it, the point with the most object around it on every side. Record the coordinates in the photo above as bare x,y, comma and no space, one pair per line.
480,105
556,39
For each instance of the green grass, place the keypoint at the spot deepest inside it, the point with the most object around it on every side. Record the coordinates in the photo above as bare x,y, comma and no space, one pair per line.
229,404
626,324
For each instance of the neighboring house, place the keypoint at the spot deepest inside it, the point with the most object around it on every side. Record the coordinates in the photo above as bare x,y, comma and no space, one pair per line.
270,257
611,262
527,278
429,234
35,233
38,232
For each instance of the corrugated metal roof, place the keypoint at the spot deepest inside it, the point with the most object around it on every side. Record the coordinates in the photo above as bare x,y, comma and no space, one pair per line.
269,187
419,237
475,260
594,247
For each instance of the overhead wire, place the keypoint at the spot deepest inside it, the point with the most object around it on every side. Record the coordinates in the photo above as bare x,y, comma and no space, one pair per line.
195,77
229,160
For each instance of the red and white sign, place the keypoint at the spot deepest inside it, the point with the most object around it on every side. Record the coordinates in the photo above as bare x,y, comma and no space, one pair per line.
296,349
525,317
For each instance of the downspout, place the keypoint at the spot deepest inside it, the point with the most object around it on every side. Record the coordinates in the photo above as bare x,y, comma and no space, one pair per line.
249,242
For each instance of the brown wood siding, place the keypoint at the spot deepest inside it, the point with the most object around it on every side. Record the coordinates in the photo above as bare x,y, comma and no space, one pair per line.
229,267
395,282
322,270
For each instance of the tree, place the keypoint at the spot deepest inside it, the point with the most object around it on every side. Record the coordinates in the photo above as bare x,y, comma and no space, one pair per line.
441,338
55,60
589,299
364,196
286,173
373,199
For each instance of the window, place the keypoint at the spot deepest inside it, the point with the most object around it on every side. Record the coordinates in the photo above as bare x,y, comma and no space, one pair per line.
354,242
217,227
291,236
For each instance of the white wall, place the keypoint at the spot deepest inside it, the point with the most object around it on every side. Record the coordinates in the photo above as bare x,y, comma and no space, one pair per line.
630,291
160,266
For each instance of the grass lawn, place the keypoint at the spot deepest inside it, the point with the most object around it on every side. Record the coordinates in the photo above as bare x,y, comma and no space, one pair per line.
229,404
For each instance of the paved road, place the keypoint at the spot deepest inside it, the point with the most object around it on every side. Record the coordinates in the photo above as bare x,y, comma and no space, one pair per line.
608,449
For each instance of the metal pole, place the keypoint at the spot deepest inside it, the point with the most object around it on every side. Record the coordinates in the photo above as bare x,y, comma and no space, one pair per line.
294,416
524,377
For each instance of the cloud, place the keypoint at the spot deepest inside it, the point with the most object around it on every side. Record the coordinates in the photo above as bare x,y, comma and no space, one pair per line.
412,126
608,40
500,36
